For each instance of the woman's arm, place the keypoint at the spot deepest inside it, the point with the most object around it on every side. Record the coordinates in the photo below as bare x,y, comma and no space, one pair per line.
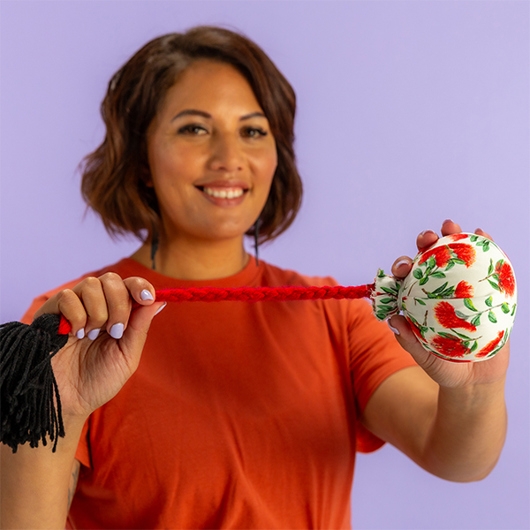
102,352
450,418
455,433
38,485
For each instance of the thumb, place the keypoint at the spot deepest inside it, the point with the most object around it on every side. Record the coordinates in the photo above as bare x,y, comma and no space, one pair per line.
135,335
408,340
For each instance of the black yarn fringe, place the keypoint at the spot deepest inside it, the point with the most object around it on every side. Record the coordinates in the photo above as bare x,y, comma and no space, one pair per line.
30,401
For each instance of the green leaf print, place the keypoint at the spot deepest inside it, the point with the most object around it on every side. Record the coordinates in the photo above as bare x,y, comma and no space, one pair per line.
438,274
476,321
492,317
489,301
505,308
418,274
469,304
494,285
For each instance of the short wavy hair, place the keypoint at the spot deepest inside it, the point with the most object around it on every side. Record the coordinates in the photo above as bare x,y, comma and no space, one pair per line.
115,176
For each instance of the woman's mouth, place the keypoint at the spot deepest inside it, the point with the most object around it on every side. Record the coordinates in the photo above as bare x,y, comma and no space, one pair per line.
223,195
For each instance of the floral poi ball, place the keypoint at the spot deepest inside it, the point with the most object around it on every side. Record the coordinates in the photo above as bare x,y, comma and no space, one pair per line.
460,298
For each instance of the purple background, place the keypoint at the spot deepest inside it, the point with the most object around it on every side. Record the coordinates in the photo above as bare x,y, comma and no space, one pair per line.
410,112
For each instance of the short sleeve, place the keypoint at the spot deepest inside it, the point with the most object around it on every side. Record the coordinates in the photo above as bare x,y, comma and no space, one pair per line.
374,355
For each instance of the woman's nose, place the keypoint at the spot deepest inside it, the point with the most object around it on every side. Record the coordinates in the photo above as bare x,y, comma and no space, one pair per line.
226,153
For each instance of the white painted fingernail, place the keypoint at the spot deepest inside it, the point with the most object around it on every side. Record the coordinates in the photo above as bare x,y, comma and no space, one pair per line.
116,331
146,295
160,309
80,334
394,330
402,262
93,334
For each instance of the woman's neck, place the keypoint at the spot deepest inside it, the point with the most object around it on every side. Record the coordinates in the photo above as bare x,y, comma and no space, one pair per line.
201,261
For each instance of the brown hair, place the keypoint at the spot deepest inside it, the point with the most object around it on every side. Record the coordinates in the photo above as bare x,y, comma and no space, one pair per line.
114,176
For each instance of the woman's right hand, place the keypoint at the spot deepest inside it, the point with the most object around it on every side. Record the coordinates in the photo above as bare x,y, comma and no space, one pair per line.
107,338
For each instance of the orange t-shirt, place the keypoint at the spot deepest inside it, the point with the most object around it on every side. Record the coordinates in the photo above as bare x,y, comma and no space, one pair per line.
240,415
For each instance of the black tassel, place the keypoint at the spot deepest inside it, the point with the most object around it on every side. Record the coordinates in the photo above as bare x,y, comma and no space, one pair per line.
30,401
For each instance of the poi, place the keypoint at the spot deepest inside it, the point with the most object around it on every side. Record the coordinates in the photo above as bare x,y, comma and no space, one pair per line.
460,300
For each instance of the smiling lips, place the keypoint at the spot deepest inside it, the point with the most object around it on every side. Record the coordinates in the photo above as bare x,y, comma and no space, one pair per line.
224,193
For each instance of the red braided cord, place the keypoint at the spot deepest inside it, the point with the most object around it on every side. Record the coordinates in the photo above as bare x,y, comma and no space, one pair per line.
251,294
260,294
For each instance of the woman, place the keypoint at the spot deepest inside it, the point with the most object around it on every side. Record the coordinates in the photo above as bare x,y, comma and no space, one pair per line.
237,415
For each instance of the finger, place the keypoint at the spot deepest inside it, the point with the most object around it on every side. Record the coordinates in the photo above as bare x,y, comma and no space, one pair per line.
450,227
401,267
426,239
140,290
481,232
119,304
135,335
407,339
90,292
68,304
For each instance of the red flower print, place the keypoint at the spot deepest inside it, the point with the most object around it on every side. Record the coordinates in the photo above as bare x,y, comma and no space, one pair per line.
490,346
446,316
441,255
450,347
463,290
464,252
458,237
506,278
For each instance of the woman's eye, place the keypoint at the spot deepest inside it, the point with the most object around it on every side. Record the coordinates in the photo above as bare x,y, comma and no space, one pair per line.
254,132
192,129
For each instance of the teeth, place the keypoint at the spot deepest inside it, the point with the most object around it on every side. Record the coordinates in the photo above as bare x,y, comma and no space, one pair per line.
224,193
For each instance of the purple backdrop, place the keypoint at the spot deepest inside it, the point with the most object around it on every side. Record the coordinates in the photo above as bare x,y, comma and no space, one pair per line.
410,112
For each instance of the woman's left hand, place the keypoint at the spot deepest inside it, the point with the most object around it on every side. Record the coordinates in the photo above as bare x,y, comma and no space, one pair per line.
445,373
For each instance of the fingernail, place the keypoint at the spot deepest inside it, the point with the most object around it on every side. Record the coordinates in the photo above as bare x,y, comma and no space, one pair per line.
146,295
80,334
402,262
394,330
160,309
93,334
426,232
116,331
448,221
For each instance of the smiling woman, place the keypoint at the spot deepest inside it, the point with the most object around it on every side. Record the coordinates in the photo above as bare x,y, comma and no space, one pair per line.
232,415
212,159
117,176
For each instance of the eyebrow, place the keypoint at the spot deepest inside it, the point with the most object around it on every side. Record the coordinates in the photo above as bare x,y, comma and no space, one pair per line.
194,112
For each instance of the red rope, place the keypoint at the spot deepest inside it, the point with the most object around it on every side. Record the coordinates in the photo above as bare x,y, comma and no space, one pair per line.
250,294
261,294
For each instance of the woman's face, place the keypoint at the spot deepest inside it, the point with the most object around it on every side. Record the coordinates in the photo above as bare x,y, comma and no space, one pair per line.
211,154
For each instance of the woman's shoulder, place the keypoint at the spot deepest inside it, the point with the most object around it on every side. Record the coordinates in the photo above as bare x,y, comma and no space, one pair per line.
124,268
